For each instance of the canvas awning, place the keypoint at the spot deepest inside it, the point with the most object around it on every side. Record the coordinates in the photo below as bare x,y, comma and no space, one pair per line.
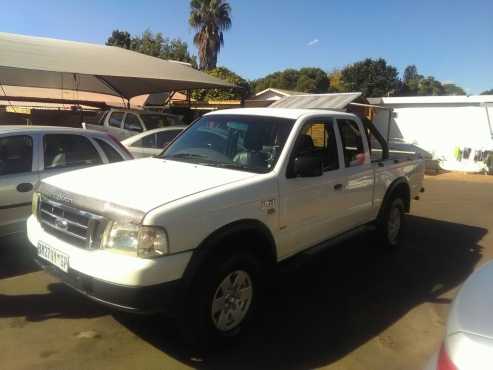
59,64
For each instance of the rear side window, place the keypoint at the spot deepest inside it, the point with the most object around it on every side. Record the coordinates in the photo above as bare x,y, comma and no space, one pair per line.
116,119
152,121
132,123
165,137
66,150
109,151
352,143
148,141
16,154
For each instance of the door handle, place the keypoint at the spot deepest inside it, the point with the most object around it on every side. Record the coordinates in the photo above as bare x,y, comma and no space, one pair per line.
338,187
24,187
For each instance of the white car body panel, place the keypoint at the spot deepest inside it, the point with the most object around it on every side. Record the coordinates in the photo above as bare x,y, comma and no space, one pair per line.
12,219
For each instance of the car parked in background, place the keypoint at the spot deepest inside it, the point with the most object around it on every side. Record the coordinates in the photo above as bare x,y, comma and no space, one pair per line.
468,343
30,154
124,123
152,142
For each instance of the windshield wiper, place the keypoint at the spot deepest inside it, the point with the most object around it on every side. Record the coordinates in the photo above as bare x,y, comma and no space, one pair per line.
186,156
236,166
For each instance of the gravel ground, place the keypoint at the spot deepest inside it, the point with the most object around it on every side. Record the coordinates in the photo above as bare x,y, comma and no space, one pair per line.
354,307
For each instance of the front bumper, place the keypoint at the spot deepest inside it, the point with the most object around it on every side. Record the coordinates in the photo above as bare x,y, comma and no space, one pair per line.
147,299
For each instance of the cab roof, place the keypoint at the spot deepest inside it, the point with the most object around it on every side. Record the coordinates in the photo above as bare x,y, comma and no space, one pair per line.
289,113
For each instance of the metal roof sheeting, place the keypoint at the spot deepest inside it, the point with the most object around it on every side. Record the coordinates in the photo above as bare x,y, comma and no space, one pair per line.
317,101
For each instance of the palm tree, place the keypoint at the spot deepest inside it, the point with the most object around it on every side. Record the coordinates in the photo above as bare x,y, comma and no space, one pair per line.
209,18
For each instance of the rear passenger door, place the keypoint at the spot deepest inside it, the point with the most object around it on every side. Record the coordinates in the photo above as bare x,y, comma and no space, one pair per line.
67,152
18,176
358,181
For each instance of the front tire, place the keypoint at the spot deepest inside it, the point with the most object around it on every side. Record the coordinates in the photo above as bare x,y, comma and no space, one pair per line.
223,300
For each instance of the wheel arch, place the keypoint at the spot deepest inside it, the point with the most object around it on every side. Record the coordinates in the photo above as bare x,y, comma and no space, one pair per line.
241,231
399,186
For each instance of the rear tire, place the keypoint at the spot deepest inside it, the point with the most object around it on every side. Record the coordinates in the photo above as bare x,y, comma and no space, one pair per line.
391,224
222,301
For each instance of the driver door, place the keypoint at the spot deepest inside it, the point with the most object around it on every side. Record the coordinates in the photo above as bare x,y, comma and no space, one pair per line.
310,205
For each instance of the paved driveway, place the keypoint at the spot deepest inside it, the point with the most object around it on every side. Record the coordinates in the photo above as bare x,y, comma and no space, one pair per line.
353,307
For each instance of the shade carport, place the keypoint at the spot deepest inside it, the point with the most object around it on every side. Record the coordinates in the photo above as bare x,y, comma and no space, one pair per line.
59,64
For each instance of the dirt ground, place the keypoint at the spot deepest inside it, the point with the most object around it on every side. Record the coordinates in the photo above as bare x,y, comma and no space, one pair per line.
354,307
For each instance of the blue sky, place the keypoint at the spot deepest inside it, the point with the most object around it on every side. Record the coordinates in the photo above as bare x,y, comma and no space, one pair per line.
451,40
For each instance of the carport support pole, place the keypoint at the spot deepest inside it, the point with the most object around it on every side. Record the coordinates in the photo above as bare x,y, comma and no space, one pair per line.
389,124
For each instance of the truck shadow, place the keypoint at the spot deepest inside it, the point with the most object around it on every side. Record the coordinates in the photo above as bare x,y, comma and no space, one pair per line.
334,303
16,256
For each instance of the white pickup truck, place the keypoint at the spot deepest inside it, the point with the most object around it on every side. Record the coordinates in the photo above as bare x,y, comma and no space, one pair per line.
194,231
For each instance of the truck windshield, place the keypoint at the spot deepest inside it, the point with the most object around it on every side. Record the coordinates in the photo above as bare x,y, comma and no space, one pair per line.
153,121
248,143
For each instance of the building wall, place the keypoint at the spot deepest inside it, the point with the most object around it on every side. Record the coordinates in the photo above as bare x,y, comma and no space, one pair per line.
438,130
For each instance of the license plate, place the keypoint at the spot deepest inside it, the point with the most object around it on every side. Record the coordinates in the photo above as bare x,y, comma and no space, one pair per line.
53,256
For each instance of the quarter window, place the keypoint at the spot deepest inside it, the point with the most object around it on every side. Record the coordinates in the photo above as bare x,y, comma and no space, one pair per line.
352,143
16,154
116,119
65,150
111,154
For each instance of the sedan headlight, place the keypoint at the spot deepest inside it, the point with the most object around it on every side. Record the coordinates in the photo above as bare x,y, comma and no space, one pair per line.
144,241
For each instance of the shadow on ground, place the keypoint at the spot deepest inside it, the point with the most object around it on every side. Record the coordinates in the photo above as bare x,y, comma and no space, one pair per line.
331,305
60,302
16,256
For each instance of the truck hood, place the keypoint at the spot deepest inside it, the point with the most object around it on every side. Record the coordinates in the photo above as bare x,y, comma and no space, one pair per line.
143,184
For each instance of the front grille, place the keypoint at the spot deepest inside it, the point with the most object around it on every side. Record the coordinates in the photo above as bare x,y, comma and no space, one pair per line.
81,228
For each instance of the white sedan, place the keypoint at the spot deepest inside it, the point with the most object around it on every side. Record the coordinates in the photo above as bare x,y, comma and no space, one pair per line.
30,154
152,142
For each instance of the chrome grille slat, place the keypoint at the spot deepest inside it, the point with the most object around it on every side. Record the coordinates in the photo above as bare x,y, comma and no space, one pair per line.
68,223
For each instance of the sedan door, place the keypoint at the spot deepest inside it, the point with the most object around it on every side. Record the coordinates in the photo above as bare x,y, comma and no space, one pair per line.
310,206
18,176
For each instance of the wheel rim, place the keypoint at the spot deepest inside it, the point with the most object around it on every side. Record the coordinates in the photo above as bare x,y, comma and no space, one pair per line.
232,300
394,224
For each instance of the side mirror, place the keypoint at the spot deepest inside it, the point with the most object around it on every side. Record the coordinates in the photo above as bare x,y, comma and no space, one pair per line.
307,166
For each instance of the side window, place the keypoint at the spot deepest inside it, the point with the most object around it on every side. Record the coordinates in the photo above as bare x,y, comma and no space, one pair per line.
16,154
111,153
352,143
116,119
376,147
165,137
132,123
66,150
318,138
148,141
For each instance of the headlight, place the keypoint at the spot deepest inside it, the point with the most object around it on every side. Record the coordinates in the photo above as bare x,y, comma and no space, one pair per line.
144,241
35,204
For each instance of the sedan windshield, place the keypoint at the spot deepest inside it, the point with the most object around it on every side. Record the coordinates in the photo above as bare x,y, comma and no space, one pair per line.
249,143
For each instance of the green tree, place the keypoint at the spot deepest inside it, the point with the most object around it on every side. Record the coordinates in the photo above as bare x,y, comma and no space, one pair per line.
153,44
310,80
372,77
120,39
223,94
210,18
453,89
487,92
429,87
410,81
335,81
